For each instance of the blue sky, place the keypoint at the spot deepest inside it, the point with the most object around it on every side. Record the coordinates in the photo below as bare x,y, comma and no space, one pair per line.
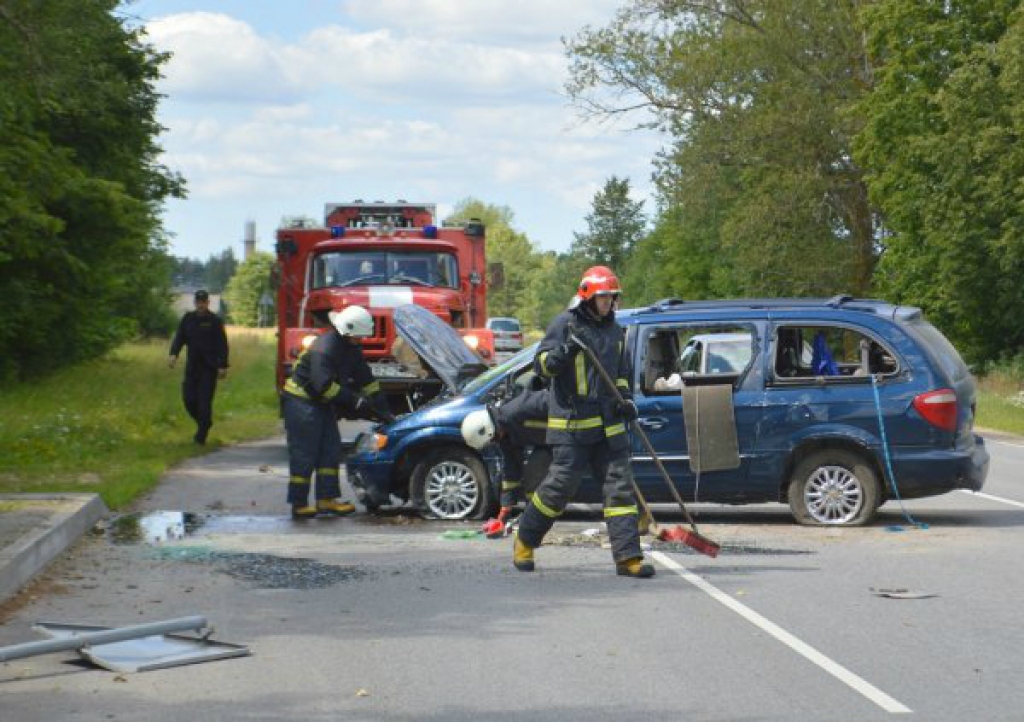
275,108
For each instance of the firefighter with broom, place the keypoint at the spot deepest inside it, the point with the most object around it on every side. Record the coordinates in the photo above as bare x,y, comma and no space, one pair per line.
586,425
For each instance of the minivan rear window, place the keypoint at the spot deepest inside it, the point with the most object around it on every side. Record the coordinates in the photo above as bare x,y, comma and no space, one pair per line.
941,349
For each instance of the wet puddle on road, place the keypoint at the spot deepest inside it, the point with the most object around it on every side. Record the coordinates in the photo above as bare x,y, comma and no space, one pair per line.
165,532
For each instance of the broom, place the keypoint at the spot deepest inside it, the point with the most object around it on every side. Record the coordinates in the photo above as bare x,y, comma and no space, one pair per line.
690,537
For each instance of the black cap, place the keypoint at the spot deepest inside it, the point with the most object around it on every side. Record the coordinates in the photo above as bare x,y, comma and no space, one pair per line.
202,296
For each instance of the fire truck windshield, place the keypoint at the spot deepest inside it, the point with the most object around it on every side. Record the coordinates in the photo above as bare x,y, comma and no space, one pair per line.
374,268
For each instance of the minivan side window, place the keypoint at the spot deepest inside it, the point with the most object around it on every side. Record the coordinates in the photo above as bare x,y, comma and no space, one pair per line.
829,353
673,354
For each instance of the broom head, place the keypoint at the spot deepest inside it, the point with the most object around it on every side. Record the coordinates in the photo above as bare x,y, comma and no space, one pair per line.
691,539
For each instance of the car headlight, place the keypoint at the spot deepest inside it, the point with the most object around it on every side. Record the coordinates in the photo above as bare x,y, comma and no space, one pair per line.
370,442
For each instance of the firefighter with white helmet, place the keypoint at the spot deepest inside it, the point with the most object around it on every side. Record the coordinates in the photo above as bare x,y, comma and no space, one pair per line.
516,424
586,427
330,379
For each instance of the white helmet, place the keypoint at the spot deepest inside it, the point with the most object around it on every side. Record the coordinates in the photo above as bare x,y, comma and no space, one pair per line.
478,428
353,321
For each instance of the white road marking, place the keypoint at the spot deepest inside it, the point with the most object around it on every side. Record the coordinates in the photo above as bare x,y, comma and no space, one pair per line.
1001,441
992,498
802,648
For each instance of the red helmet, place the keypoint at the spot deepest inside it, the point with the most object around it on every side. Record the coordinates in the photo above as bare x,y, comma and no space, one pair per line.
598,281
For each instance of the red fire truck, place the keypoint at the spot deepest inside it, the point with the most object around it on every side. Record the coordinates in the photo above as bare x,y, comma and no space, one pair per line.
380,256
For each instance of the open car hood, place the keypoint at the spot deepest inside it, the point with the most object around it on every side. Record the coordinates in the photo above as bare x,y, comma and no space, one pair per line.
438,345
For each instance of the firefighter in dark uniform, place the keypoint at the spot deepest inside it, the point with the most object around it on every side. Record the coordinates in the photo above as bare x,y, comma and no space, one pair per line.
586,425
205,362
518,424
330,380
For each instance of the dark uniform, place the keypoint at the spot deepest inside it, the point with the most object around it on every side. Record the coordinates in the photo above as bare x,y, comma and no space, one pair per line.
203,333
586,429
330,380
522,422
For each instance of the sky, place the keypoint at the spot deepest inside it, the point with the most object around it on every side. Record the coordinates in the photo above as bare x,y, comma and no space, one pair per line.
276,108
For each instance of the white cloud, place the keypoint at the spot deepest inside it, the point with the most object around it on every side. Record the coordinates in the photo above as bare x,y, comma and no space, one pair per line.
540,22
263,127
217,57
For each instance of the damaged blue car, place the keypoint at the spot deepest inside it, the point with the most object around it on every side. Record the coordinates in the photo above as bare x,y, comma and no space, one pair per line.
806,402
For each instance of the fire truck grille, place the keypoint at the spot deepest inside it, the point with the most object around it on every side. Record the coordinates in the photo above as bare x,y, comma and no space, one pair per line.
379,340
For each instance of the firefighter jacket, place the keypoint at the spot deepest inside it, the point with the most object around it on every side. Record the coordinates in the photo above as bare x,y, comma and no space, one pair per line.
207,343
523,419
333,371
581,410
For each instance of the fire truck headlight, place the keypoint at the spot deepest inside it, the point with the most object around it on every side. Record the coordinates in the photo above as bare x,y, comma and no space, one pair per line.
472,341
307,341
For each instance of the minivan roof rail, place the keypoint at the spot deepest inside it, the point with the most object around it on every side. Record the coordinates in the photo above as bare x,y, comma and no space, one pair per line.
838,300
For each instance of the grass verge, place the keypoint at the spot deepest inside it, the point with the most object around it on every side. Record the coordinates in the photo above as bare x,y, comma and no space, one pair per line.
1001,402
113,426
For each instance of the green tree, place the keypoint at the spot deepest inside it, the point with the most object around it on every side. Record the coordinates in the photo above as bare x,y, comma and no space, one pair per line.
942,137
219,270
511,248
247,288
83,261
615,225
758,177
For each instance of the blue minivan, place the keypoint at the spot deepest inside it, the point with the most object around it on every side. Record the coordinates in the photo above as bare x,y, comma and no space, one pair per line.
827,391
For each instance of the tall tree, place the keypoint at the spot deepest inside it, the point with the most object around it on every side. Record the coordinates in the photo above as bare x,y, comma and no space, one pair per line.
942,137
247,289
755,98
219,270
512,249
83,260
615,225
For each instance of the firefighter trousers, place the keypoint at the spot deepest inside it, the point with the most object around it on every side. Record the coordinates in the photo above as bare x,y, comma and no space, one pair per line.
197,391
568,464
314,447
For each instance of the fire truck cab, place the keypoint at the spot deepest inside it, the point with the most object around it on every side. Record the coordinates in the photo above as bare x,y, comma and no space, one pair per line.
381,256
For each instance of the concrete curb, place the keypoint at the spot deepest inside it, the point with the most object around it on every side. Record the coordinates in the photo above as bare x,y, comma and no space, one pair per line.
69,517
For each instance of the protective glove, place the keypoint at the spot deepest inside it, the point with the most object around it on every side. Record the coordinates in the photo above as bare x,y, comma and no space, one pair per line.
495,528
628,410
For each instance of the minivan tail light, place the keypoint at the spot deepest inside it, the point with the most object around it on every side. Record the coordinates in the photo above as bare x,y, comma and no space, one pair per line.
938,408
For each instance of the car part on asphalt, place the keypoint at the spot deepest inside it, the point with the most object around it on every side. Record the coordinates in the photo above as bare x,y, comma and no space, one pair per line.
138,648
692,537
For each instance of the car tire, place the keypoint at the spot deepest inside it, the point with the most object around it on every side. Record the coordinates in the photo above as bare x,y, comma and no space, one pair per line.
834,487
452,484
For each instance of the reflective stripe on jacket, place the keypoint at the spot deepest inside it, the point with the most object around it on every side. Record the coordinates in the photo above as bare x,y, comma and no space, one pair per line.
580,407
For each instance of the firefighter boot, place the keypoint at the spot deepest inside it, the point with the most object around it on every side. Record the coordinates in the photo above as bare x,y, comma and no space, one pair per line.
522,556
634,567
303,511
333,507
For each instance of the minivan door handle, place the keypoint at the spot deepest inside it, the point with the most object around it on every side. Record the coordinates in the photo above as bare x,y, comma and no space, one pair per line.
654,423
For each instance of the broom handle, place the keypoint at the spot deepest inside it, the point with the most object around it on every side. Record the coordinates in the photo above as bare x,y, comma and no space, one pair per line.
636,427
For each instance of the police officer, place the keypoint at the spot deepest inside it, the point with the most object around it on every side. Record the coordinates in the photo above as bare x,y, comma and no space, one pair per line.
518,424
586,425
206,361
330,379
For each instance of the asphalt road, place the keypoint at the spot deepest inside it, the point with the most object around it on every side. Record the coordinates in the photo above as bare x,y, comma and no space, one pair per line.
382,619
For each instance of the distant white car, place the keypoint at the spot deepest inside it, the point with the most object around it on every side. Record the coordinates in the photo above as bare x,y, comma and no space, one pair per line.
508,336
715,353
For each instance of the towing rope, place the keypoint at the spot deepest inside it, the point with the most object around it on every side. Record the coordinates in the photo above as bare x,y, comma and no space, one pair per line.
888,462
